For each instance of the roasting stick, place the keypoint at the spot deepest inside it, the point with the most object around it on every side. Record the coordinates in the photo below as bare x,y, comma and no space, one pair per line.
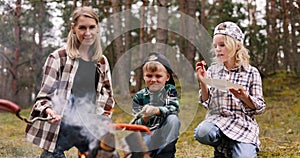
8,106
34,119
135,116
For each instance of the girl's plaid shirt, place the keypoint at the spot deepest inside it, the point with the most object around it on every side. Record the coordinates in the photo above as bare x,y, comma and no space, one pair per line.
229,113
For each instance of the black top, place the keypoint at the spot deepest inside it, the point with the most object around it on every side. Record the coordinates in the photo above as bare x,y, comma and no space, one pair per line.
84,81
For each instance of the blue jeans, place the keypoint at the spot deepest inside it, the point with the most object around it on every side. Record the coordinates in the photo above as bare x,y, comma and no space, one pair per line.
209,134
162,144
68,137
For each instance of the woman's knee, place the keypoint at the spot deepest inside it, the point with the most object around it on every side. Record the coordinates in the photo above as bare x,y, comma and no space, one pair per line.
207,133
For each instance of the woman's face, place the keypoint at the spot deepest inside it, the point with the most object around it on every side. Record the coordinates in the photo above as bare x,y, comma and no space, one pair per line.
221,50
86,30
156,80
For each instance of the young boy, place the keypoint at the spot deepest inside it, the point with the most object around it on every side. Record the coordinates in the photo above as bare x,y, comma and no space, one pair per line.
157,107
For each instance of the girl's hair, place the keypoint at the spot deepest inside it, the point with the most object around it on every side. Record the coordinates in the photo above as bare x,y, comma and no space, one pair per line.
73,43
152,66
236,49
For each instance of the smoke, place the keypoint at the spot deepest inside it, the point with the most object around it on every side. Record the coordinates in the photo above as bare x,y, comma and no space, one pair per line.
80,118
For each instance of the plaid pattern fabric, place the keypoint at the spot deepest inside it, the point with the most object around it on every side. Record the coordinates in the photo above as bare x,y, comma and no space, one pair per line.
229,113
166,99
59,72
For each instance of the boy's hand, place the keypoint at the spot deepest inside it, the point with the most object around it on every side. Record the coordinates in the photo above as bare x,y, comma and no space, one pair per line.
149,110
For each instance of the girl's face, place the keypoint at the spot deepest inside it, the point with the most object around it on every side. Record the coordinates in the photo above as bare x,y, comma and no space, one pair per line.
156,80
221,50
86,30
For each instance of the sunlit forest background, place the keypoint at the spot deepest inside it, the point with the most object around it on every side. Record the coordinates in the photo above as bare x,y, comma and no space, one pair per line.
180,29
31,29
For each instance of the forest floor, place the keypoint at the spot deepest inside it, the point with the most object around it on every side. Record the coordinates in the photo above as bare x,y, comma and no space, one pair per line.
279,126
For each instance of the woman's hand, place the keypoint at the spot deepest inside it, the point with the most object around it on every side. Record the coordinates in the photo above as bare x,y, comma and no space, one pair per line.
201,71
52,113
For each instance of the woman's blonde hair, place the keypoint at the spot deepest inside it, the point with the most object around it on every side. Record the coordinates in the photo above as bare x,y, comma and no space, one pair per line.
73,43
236,49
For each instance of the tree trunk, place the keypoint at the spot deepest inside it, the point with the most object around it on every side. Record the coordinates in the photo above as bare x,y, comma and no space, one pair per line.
272,63
191,49
122,78
182,29
162,23
139,72
17,35
128,41
39,54
288,64
294,19
202,13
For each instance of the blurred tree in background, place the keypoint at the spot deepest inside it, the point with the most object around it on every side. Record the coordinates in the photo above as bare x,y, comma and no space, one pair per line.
31,29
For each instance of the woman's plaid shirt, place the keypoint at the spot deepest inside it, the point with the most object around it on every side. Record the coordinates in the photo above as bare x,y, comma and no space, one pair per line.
59,72
229,113
166,99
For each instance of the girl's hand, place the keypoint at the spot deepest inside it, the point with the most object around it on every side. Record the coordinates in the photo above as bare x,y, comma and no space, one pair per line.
239,93
201,71
52,113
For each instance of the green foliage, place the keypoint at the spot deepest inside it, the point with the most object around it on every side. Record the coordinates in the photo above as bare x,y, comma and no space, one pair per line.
257,45
6,31
226,11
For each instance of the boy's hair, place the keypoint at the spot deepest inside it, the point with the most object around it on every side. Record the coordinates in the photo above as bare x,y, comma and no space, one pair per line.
236,49
160,58
152,66
72,42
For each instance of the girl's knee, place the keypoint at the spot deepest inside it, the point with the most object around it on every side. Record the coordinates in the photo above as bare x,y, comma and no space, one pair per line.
207,133
246,150
203,129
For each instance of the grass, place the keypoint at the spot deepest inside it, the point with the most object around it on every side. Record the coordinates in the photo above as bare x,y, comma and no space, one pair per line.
279,125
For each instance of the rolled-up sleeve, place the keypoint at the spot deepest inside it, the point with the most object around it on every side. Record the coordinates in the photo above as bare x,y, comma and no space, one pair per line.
105,98
256,94
205,103
49,85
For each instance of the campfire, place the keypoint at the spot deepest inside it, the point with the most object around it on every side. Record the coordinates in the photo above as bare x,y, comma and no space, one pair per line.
136,147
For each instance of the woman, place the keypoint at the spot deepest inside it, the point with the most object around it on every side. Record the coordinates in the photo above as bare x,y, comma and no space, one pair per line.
230,126
70,74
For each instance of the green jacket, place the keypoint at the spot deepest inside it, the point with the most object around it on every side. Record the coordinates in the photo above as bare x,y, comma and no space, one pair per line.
166,99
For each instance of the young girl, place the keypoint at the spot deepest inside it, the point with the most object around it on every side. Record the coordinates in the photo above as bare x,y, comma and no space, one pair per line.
158,107
72,73
230,126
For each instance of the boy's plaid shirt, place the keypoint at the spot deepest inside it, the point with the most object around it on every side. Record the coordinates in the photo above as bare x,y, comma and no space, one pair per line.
166,99
229,113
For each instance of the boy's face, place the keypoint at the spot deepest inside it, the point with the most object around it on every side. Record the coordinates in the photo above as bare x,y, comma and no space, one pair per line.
156,80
